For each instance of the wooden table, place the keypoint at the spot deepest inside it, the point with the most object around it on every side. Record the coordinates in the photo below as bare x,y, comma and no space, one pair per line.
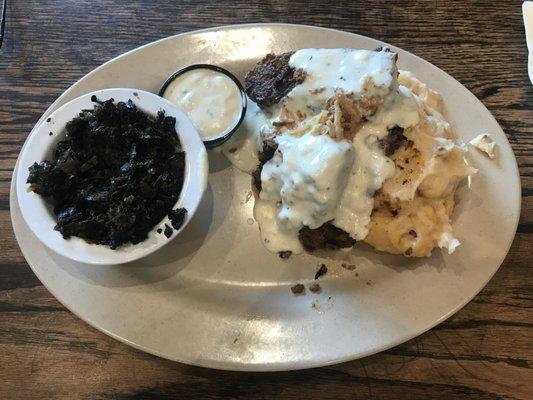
484,352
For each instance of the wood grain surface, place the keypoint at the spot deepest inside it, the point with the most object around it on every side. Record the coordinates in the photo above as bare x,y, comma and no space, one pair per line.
485,351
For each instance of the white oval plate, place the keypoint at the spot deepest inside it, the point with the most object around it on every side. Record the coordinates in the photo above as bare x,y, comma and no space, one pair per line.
39,146
216,298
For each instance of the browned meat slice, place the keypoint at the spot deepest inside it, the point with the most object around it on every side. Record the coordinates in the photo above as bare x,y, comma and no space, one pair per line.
326,236
393,141
271,79
266,153
256,178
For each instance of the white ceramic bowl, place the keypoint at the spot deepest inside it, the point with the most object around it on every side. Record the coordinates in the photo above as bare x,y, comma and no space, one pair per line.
39,146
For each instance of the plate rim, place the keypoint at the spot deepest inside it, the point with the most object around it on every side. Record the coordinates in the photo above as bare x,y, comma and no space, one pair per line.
273,366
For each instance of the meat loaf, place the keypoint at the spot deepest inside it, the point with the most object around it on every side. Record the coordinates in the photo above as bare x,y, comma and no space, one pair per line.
271,79
325,236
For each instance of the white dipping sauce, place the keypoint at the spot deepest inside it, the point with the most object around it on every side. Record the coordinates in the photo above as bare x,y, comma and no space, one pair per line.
211,100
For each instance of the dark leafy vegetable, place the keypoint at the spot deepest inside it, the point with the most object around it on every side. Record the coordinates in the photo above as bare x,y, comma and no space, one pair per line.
168,231
177,217
116,175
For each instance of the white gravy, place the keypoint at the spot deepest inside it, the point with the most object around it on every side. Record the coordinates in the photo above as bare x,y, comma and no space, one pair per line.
327,70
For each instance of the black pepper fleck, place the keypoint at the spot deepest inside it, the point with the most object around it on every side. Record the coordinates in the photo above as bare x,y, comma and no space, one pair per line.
48,119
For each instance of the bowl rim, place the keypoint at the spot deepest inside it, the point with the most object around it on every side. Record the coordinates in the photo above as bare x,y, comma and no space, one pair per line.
75,248
222,138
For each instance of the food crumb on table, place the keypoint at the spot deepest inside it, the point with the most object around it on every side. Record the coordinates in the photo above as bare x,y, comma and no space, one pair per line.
315,288
322,271
298,289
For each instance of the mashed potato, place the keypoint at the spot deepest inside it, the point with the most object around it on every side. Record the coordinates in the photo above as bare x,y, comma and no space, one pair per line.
412,211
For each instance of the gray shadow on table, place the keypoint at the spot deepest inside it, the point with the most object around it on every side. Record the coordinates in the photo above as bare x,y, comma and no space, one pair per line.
217,161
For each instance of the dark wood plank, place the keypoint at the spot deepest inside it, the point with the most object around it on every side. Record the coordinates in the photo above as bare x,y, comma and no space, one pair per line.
484,352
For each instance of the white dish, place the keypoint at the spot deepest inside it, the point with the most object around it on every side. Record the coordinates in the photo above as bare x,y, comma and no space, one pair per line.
39,146
217,298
